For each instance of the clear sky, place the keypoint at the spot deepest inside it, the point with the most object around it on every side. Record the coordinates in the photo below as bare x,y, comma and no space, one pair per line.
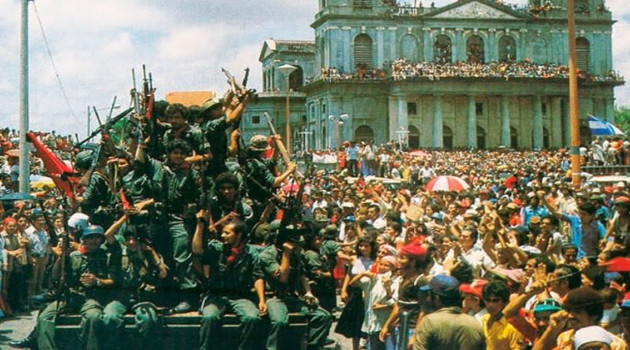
184,43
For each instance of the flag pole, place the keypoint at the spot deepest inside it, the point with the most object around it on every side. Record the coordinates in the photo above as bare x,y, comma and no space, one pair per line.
576,170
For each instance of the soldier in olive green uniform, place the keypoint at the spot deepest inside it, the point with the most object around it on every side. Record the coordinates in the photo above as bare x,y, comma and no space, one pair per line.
232,271
214,128
176,194
261,182
227,200
291,292
177,115
96,199
90,277
320,259
142,269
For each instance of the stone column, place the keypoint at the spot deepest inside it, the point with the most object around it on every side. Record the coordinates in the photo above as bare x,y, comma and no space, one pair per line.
403,118
472,123
438,126
428,45
346,49
459,46
392,44
492,52
537,123
521,51
506,140
379,47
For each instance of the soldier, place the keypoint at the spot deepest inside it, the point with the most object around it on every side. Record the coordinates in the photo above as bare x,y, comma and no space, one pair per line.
261,182
142,270
177,115
179,189
214,128
96,199
227,201
291,292
320,258
232,270
90,277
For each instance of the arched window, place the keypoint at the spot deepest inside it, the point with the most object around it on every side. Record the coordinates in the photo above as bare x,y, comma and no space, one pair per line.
324,138
410,48
414,137
442,49
447,137
475,50
582,51
363,51
507,49
364,133
296,79
481,137
513,137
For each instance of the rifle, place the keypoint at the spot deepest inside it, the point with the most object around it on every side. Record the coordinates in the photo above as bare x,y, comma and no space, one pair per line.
286,157
50,229
64,240
291,216
107,125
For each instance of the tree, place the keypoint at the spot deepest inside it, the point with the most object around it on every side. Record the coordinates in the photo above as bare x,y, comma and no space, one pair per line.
622,118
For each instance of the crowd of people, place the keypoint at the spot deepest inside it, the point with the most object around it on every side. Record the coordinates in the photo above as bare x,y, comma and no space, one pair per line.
402,69
518,259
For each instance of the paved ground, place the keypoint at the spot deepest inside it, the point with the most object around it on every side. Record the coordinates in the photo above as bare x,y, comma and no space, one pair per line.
18,328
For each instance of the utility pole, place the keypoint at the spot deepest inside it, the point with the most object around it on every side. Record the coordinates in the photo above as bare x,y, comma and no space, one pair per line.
24,154
576,169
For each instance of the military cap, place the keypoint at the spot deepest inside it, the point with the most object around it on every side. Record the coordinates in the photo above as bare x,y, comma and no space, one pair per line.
210,103
93,230
84,159
258,143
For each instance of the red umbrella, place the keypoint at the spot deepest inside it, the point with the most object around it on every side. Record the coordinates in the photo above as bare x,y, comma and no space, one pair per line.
418,153
618,264
446,183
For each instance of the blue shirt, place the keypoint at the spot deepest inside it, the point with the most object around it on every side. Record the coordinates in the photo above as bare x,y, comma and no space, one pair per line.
529,212
352,152
586,239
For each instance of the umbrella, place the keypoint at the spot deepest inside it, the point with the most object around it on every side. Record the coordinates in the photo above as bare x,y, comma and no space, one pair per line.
418,153
446,183
18,196
39,182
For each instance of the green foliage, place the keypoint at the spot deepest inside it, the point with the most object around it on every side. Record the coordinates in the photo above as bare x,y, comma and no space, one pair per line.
622,119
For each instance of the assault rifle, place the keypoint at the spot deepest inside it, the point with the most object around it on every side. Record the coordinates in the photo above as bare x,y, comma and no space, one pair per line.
286,157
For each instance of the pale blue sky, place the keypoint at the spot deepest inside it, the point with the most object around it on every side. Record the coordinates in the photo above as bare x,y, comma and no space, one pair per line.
184,43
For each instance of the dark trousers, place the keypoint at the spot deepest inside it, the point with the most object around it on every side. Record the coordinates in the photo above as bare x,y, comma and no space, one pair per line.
216,306
319,321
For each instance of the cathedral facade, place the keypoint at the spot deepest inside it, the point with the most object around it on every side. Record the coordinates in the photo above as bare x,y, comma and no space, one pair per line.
471,74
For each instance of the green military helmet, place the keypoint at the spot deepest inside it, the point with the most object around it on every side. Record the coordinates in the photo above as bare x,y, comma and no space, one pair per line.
84,160
258,143
210,104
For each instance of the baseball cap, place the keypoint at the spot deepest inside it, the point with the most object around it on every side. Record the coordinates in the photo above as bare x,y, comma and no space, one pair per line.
548,304
443,285
473,288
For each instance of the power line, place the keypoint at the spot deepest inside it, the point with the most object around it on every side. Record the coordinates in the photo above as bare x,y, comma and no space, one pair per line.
52,61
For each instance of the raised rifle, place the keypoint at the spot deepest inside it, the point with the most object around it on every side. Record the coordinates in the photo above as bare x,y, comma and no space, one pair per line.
286,157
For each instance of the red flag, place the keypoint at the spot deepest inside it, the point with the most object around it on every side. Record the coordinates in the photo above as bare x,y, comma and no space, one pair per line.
55,168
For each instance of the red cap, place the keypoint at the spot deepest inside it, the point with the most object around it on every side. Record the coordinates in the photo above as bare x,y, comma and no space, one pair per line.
414,251
474,288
